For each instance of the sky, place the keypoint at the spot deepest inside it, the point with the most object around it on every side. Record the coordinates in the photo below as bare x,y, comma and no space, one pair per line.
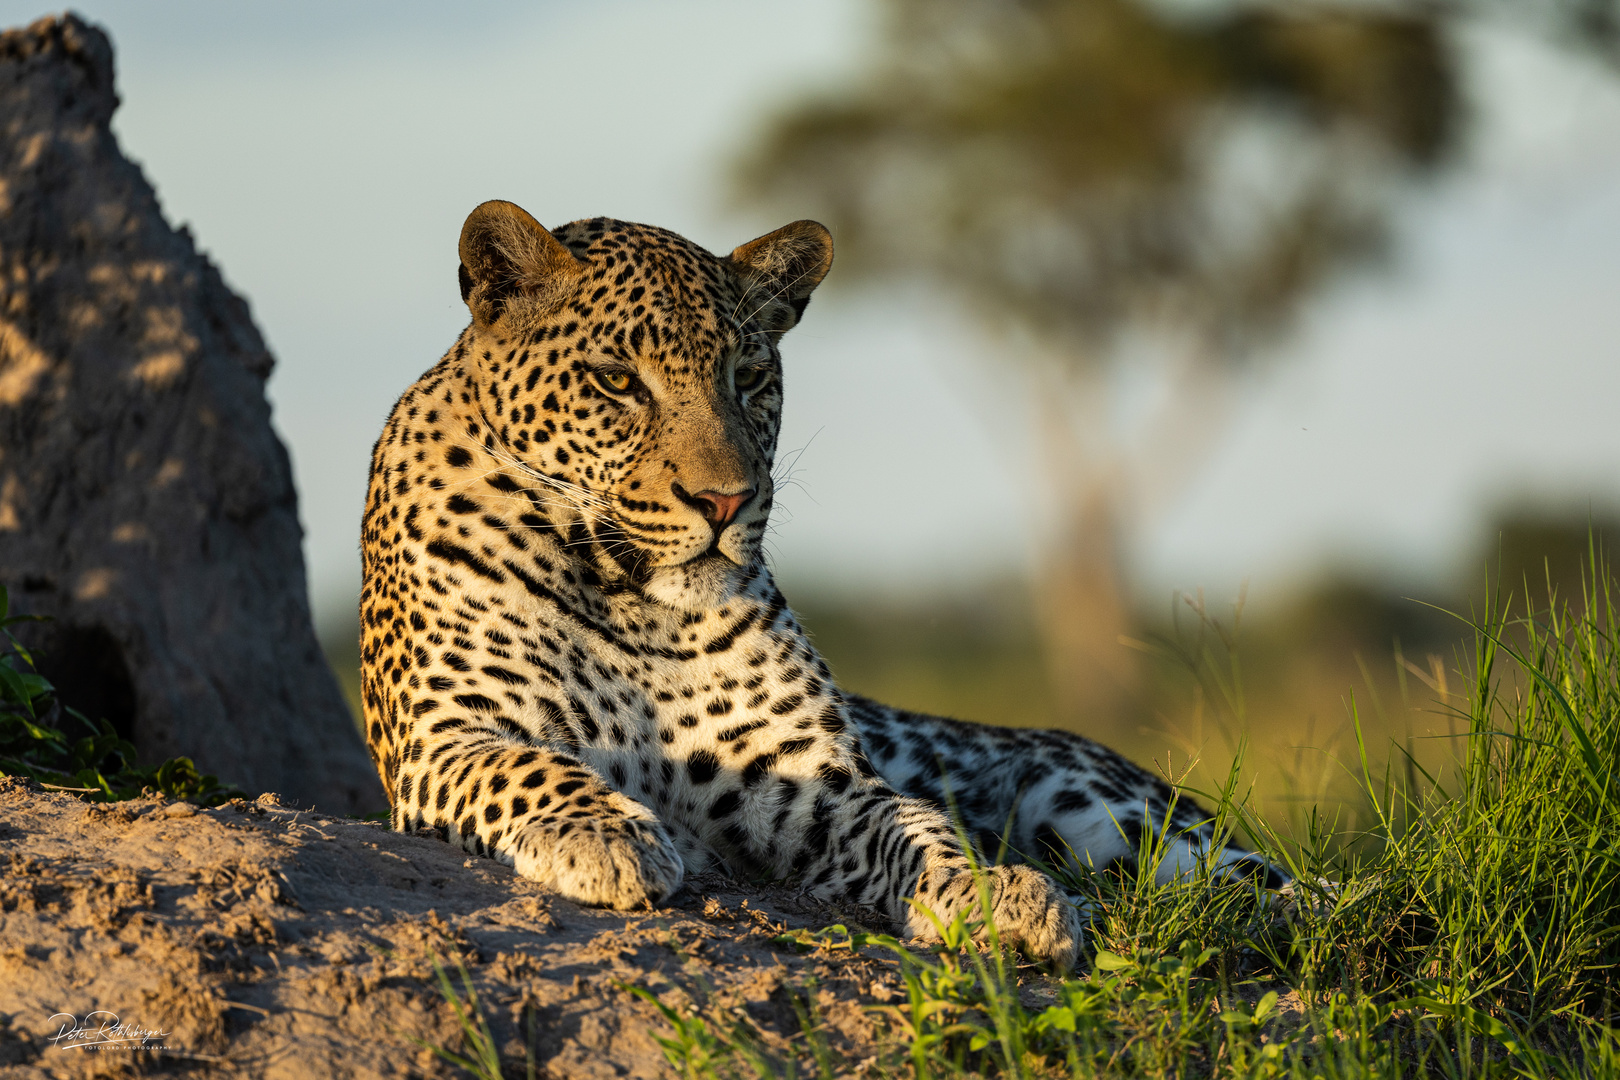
325,155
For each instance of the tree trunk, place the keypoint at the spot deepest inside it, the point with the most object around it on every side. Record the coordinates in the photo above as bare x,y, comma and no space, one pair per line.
146,506
1082,597
1106,486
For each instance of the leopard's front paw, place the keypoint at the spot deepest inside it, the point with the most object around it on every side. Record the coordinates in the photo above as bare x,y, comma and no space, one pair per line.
1028,909
601,862
1031,912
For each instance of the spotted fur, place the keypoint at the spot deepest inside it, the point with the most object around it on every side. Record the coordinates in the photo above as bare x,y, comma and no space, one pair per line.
574,658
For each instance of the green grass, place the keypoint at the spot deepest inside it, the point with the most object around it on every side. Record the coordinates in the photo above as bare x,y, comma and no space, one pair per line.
1461,921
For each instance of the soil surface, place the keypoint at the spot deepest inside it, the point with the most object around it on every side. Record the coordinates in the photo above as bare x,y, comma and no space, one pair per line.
256,939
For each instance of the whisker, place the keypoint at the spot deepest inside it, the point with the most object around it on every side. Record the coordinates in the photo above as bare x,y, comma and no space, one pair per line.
753,284
786,285
580,496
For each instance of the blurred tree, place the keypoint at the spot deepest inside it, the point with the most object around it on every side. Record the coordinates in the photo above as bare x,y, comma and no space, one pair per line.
1531,552
1112,180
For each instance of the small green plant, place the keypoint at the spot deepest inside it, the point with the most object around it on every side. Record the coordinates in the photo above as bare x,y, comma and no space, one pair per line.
694,1049
483,1057
708,1041
99,766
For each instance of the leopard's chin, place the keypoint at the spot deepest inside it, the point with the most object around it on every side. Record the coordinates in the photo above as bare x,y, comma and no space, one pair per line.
699,584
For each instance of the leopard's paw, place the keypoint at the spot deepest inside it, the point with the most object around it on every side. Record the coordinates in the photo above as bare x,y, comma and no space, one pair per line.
601,862
1031,912
1028,909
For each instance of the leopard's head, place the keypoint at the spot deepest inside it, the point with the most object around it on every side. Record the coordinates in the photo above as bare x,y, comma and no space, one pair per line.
630,381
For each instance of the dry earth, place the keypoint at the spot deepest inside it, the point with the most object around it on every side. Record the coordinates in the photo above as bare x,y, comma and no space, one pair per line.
261,940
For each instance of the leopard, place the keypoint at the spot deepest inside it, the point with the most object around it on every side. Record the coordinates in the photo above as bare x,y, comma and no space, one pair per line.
576,661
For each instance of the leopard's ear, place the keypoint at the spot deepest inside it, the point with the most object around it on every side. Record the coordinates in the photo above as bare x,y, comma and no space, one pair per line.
781,269
509,260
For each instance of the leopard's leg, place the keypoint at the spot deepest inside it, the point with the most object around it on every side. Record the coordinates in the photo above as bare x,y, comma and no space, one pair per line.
539,809
901,856
1051,795
1110,819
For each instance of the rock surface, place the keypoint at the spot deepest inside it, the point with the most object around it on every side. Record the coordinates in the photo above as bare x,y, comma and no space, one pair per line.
268,942
146,504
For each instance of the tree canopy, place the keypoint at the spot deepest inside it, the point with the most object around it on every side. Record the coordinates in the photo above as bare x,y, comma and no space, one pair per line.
1077,166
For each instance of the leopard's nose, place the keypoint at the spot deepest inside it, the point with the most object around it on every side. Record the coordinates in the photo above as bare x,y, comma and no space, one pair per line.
717,507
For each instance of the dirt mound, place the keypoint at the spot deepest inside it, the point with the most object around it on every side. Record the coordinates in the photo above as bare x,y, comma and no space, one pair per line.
263,940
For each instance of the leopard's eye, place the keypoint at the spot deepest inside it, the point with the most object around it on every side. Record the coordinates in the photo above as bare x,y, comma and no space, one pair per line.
749,378
616,382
